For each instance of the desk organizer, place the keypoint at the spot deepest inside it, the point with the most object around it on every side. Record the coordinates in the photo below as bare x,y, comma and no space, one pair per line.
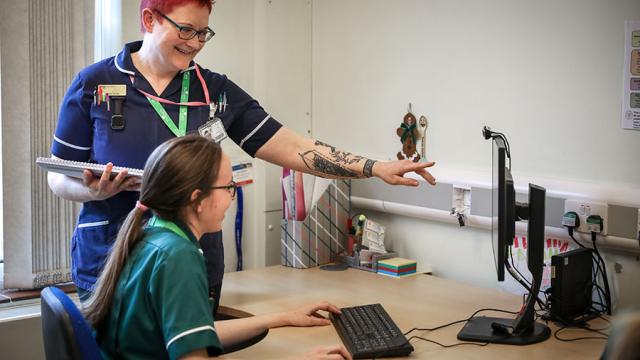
354,261
314,236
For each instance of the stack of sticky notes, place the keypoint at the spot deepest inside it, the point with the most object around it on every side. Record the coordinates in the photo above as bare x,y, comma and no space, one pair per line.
397,267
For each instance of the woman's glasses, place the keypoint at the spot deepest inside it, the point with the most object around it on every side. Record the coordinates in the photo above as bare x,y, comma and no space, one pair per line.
188,33
231,188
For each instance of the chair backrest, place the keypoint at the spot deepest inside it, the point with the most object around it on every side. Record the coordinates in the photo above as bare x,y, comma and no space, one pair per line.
66,334
623,340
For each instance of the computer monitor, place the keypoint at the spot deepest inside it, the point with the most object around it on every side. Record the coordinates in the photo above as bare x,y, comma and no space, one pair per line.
506,211
502,217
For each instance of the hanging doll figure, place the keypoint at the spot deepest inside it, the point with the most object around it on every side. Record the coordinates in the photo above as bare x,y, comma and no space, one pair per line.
409,134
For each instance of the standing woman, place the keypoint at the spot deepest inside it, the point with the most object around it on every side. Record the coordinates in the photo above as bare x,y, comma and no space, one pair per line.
118,110
151,300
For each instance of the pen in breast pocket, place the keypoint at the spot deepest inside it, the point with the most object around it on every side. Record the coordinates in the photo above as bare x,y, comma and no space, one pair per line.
213,107
224,102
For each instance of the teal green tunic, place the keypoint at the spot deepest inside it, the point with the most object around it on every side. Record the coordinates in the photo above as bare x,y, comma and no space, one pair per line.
161,308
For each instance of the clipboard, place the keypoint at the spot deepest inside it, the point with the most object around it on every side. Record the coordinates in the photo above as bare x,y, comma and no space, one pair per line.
76,168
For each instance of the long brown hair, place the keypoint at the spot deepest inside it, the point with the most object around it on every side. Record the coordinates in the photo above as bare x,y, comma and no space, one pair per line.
173,171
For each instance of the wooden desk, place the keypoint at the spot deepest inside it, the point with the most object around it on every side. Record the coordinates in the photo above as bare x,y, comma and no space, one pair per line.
419,301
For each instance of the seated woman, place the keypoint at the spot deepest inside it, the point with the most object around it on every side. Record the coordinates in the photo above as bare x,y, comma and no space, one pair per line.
151,300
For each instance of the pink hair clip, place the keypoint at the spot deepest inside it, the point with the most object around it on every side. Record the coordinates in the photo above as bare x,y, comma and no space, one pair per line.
141,206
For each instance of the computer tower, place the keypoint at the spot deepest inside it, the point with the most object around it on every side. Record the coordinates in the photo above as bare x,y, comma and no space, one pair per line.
571,284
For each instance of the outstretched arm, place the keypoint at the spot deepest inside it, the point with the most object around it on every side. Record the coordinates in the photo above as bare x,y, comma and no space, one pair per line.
288,149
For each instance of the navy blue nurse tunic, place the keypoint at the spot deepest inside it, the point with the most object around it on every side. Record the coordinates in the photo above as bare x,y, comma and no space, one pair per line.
84,133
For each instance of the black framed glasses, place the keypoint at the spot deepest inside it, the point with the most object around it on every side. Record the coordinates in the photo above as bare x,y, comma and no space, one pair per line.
188,33
231,188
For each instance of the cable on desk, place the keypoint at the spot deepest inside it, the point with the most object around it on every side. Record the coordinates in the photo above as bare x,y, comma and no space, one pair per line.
583,325
437,327
603,337
439,344
447,346
459,321
453,323
604,328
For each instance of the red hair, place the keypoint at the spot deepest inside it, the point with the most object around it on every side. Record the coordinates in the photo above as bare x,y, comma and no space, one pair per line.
165,6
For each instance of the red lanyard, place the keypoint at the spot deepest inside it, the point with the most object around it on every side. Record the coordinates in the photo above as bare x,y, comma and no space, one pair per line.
189,103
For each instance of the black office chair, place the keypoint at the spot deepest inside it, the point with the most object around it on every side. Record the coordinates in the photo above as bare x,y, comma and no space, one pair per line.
65,332
623,343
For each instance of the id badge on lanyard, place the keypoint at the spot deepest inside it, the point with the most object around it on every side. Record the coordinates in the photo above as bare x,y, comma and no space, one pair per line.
215,128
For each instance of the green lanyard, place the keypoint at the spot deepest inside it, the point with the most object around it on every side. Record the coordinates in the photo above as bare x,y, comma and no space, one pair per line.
157,222
181,130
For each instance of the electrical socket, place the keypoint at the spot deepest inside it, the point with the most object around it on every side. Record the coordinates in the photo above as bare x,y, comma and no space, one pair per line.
461,200
586,208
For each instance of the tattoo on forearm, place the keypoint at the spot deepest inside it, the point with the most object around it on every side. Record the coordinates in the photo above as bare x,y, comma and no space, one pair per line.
340,157
367,170
320,165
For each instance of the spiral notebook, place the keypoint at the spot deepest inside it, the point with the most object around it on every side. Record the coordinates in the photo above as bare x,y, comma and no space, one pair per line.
75,168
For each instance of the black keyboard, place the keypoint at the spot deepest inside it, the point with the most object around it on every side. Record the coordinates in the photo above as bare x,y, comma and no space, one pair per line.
369,332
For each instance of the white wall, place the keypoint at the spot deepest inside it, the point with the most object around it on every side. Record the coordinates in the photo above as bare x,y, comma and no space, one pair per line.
546,73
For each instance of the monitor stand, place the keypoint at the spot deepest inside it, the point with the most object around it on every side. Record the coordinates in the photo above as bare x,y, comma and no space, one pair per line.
524,329
480,329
